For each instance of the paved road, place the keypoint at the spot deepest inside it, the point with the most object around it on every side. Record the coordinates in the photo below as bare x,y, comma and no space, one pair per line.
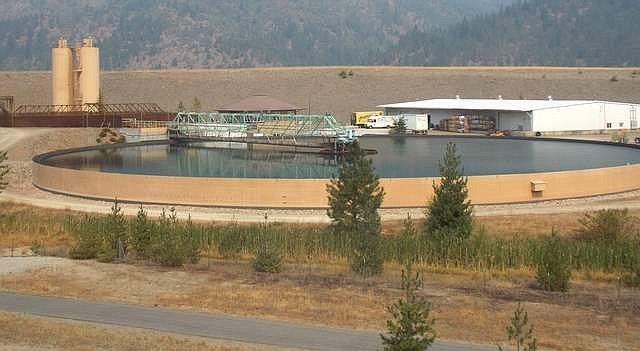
217,326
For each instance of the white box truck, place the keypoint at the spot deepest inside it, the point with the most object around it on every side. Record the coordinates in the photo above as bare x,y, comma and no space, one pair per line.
417,123
381,122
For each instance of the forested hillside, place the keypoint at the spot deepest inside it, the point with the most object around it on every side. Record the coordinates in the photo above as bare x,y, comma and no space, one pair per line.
534,32
222,33
249,33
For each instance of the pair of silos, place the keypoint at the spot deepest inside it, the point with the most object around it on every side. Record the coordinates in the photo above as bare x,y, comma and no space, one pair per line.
76,80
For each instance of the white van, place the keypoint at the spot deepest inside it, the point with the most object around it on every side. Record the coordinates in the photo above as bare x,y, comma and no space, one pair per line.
381,122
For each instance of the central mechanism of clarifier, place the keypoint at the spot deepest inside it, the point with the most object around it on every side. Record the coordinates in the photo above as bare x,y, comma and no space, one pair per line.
320,132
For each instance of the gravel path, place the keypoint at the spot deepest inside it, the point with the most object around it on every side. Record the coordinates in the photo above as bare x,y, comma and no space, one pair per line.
13,265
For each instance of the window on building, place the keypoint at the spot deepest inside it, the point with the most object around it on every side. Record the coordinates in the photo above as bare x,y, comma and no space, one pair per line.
621,124
608,125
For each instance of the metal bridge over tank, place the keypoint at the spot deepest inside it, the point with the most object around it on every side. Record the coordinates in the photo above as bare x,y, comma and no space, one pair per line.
315,131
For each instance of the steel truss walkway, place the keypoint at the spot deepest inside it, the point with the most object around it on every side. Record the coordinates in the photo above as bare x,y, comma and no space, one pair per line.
260,128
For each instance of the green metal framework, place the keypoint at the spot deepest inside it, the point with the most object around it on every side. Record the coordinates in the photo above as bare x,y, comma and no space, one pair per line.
257,127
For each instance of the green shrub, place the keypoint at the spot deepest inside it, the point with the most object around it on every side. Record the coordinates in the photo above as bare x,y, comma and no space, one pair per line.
88,236
632,276
191,244
553,271
520,330
142,230
230,245
114,236
408,250
343,74
4,170
366,258
174,245
411,327
611,224
268,258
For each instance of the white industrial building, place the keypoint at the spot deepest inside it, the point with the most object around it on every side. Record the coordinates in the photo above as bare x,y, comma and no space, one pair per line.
528,115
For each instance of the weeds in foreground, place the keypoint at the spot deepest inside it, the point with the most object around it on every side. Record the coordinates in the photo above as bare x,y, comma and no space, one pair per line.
313,244
411,326
521,331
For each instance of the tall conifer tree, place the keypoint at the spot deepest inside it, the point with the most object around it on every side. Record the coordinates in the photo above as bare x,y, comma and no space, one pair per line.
449,213
354,198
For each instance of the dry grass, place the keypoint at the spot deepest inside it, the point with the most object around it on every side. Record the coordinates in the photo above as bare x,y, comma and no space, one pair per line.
517,225
20,332
327,92
471,307
22,225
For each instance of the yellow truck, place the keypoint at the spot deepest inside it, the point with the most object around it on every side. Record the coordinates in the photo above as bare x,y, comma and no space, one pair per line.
360,119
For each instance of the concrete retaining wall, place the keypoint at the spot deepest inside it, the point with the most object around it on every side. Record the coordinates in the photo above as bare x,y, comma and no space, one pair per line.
311,193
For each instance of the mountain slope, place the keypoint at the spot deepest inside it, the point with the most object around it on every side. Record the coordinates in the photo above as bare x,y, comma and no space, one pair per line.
223,33
533,32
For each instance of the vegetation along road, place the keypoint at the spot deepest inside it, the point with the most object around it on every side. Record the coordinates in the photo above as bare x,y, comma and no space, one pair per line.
217,326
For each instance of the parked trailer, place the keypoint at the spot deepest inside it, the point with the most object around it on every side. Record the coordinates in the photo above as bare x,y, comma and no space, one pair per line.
416,123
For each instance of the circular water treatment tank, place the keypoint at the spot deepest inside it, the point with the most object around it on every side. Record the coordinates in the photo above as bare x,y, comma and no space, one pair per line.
500,170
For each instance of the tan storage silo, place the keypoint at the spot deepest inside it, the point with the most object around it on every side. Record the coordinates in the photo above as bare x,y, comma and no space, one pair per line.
62,74
89,72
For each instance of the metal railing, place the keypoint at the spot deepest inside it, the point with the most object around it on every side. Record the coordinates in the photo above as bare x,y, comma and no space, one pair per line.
136,123
257,127
92,108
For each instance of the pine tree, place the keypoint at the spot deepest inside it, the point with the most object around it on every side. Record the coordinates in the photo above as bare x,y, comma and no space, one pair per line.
411,328
196,106
400,127
553,271
114,236
354,199
449,213
408,239
521,331
181,106
141,234
4,169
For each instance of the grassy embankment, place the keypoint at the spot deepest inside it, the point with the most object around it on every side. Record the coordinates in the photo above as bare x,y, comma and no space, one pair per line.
473,295
496,246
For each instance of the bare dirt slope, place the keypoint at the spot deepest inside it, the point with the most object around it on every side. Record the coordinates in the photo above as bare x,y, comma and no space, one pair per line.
327,92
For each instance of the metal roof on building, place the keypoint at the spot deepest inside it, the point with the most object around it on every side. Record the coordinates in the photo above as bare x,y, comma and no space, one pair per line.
259,103
487,104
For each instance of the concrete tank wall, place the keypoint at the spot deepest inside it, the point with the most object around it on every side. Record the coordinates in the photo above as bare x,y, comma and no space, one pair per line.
62,74
311,193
